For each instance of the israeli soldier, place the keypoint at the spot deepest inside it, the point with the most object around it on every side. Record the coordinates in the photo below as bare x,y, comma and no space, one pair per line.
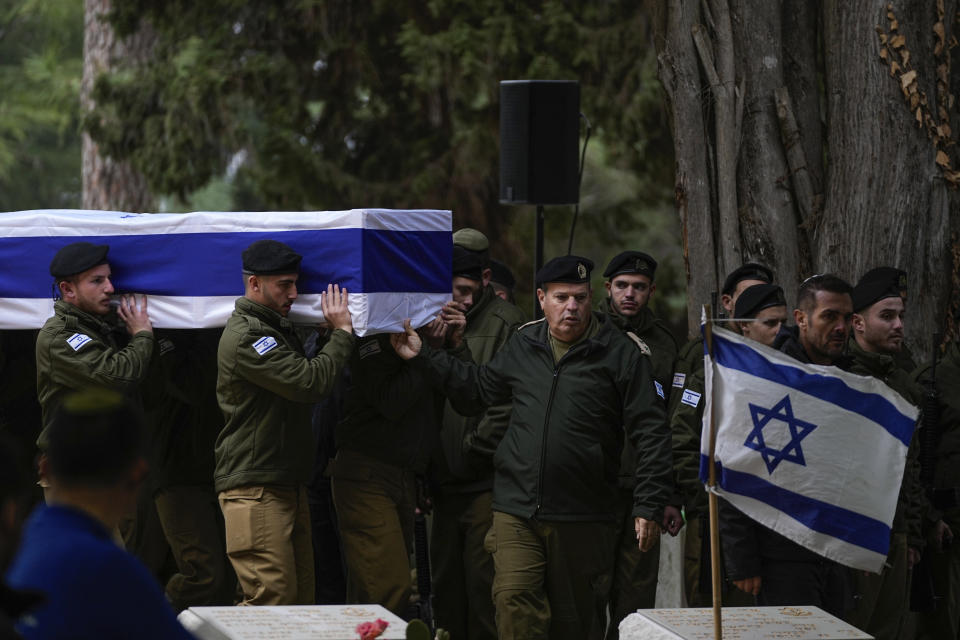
630,285
577,383
264,455
462,468
881,599
502,280
943,520
685,409
77,346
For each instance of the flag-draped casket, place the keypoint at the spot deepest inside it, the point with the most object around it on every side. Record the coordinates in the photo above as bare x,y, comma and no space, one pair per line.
396,264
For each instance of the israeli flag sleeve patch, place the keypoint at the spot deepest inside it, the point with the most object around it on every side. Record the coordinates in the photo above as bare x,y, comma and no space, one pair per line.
691,398
264,344
77,340
679,379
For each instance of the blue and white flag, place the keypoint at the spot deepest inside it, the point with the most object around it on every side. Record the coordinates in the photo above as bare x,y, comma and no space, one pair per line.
395,264
812,452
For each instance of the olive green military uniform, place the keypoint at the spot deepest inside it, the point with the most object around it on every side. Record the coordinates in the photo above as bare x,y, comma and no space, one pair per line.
635,572
76,349
462,478
555,496
264,455
385,439
181,408
881,600
944,621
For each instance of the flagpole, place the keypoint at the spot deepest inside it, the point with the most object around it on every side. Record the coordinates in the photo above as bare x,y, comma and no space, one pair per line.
711,496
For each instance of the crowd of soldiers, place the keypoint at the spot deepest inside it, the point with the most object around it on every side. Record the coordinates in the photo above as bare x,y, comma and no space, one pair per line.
288,466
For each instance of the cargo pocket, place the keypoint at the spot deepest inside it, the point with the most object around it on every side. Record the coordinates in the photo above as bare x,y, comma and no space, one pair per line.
243,517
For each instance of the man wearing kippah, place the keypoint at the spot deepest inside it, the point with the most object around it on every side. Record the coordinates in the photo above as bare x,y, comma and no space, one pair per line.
766,308
881,600
462,467
264,455
630,285
576,383
77,346
685,409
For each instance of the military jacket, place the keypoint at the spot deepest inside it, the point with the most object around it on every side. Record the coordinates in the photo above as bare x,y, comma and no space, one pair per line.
656,341
947,462
392,408
76,349
265,388
180,402
560,456
465,457
910,503
686,420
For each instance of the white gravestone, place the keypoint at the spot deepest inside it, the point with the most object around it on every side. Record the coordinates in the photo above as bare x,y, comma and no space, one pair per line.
319,622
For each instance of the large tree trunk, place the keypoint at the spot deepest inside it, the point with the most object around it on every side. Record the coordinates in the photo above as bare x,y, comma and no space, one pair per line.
885,190
107,183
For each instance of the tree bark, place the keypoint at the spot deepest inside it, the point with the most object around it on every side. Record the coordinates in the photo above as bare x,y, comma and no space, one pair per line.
107,183
801,77
679,73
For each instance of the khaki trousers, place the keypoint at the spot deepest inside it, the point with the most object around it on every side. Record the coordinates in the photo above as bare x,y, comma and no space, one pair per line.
462,568
635,572
375,510
552,579
193,525
269,544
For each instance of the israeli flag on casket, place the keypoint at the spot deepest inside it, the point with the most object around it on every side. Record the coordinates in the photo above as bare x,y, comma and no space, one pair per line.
812,452
395,264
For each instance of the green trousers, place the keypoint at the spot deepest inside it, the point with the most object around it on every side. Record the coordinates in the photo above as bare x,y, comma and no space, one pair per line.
193,525
883,600
462,568
552,579
375,510
634,574
944,622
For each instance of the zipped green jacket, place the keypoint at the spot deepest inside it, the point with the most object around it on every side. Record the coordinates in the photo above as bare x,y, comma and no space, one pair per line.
560,456
76,350
266,387
464,461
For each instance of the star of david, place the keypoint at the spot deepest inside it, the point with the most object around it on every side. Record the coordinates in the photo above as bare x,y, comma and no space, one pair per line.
781,412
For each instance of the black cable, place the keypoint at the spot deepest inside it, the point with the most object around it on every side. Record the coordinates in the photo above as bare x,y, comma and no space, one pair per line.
576,207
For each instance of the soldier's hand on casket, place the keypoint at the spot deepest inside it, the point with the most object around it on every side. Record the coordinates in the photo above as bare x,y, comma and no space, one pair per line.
434,332
648,532
134,316
333,304
406,344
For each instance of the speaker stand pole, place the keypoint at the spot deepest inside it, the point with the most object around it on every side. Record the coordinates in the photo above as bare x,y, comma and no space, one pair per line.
538,260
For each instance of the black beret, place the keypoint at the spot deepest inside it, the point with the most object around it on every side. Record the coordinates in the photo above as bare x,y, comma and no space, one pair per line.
572,269
758,297
749,271
877,284
467,264
269,257
501,274
631,262
76,258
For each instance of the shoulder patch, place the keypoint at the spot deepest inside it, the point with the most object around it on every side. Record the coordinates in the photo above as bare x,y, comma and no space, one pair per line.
264,344
659,388
77,340
691,398
370,348
166,345
644,349
679,379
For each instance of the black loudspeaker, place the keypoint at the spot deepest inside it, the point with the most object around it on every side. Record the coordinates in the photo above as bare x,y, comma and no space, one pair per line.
539,141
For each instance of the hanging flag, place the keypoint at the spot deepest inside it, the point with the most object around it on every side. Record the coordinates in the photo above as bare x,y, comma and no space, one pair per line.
395,264
812,452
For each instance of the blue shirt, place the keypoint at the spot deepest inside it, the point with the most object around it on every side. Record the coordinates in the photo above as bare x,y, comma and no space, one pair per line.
94,588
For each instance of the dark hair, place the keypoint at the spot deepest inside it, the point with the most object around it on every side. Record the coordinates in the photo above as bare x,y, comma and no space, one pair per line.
95,437
807,293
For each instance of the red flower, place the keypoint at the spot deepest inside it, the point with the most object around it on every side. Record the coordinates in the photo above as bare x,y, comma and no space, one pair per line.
371,630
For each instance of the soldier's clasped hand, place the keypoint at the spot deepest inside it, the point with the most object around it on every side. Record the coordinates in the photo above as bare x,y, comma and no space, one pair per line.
406,344
454,317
